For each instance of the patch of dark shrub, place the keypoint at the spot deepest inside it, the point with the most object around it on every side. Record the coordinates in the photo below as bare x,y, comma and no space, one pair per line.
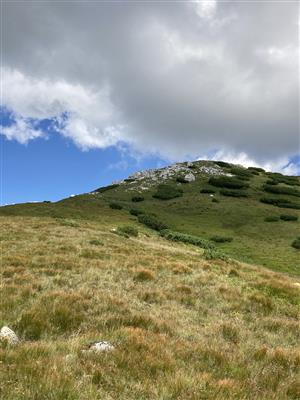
181,179
241,173
281,190
221,239
222,164
136,212
115,206
288,180
233,193
137,199
185,238
280,202
106,188
207,190
288,217
167,192
296,243
227,182
152,222
257,169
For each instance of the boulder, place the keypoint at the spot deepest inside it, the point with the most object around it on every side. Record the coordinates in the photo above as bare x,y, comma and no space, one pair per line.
8,335
190,177
99,347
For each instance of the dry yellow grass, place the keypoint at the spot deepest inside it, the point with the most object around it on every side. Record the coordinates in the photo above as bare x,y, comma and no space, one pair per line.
183,327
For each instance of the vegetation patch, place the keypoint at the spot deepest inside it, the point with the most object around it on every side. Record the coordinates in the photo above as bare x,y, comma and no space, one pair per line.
257,169
181,179
144,275
167,192
296,243
128,230
184,238
208,191
289,217
152,222
136,212
279,178
228,182
106,188
281,190
280,202
241,173
233,193
221,239
115,206
137,199
223,164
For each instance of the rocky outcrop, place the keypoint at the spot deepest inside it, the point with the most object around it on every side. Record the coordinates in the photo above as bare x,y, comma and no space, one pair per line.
8,335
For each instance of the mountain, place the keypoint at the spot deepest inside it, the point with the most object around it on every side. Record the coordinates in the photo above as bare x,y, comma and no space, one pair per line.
135,291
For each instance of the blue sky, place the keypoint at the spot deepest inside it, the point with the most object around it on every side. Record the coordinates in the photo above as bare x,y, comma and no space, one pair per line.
92,91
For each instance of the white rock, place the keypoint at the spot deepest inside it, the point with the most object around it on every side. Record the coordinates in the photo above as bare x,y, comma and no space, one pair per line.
102,346
8,335
190,177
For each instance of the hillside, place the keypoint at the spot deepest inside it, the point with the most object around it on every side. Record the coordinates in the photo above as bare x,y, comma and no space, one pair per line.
186,320
253,218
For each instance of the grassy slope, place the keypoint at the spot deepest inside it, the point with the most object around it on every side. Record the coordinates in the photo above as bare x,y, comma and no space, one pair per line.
195,329
255,241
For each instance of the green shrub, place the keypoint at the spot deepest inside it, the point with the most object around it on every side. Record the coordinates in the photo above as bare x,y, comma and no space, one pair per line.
129,180
221,239
115,206
280,202
185,238
214,200
288,217
296,243
222,164
288,180
241,173
181,179
233,193
271,182
281,190
207,190
142,275
106,188
137,199
256,169
95,242
272,219
135,211
128,230
215,254
227,182
167,192
152,222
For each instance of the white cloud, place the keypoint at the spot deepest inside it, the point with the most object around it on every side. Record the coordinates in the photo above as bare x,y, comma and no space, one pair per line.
22,131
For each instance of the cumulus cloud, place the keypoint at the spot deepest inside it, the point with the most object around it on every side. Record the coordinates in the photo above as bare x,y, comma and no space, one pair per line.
178,79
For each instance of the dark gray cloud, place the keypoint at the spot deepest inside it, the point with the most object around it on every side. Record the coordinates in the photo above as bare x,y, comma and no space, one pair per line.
178,78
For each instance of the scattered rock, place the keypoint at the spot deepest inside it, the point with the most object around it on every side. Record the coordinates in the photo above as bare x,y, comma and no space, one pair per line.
190,177
100,347
7,335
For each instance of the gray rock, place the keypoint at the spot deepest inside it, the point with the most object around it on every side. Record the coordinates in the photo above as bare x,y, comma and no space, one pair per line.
99,347
8,335
190,177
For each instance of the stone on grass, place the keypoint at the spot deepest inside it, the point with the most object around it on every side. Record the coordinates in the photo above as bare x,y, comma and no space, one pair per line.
190,177
99,347
8,335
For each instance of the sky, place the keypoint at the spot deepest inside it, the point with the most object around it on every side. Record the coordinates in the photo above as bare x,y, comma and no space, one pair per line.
94,90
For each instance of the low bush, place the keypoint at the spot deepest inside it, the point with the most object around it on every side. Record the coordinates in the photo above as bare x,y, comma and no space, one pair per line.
215,200
279,178
288,217
215,254
222,164
207,190
221,239
257,169
181,179
95,242
271,219
152,222
137,199
233,193
296,243
136,212
128,230
185,238
167,192
281,190
227,182
106,188
241,173
271,182
280,202
115,206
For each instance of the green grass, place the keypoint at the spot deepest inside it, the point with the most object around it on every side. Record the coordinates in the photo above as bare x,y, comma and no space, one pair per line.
184,326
